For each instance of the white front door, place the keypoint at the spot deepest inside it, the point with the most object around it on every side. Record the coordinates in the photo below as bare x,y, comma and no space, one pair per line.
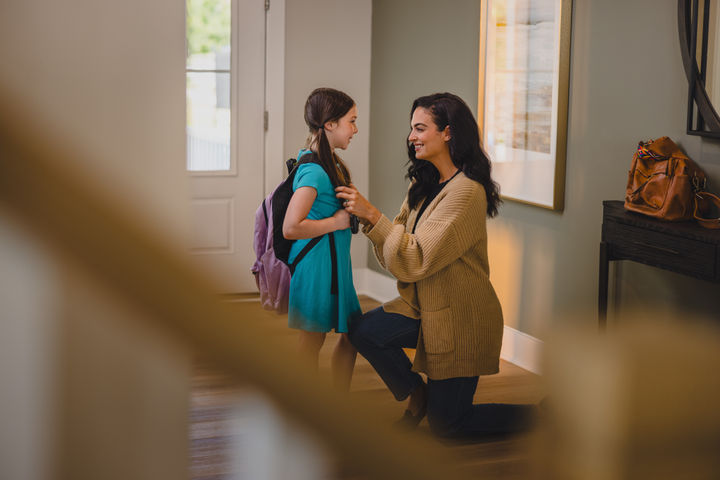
225,134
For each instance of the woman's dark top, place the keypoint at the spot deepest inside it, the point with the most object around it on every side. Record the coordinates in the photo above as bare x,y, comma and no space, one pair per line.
433,193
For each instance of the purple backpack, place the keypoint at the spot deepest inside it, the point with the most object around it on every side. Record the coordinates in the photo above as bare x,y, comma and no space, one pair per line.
272,270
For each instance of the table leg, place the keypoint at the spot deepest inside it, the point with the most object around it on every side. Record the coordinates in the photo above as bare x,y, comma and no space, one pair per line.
603,287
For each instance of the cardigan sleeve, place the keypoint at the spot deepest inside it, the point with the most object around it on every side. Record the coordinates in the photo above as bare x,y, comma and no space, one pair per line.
400,219
455,224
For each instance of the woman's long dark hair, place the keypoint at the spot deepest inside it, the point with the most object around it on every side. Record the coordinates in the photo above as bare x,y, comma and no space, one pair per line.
466,152
322,106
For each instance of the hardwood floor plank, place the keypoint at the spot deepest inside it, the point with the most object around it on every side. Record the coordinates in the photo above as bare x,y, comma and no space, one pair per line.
213,394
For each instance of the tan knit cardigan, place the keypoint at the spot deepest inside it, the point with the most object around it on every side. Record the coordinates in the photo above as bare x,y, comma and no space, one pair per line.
442,272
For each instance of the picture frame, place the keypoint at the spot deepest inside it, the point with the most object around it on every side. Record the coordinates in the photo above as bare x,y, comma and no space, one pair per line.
523,87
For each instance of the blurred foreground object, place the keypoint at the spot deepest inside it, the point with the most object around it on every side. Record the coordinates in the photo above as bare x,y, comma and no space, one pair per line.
642,402
132,278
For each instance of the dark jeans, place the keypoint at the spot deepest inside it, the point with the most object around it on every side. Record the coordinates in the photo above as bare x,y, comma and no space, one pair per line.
380,337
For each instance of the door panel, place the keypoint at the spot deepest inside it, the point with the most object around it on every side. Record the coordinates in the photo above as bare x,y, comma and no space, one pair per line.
223,202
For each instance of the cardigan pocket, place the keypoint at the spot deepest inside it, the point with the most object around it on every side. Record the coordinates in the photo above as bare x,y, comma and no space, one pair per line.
438,331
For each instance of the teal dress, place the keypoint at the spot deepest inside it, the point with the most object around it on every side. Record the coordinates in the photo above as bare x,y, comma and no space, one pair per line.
311,306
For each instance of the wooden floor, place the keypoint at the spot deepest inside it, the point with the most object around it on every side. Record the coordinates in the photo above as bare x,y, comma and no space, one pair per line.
500,458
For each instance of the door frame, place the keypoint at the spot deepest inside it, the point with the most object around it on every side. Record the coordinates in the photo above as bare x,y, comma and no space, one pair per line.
274,94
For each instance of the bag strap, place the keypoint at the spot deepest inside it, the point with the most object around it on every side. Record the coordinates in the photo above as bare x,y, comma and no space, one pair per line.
333,259
309,246
660,149
706,202
293,163
644,152
334,288
264,207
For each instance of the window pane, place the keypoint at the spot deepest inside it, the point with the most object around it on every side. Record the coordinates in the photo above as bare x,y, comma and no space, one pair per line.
208,121
208,31
208,93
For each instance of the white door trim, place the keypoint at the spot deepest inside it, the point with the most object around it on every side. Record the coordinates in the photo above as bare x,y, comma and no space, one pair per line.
274,95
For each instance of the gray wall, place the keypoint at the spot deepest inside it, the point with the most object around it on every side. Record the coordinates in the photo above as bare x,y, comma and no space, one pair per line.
626,84
327,44
418,47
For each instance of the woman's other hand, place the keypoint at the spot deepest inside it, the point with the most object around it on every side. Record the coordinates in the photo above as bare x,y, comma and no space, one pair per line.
342,219
358,205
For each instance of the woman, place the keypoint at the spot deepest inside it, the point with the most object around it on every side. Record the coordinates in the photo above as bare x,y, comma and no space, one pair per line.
437,249
322,295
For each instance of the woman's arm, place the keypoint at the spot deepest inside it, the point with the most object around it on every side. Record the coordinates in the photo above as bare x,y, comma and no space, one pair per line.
368,214
453,226
297,226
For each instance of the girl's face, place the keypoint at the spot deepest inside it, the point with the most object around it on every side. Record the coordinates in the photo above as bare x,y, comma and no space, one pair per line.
340,133
429,142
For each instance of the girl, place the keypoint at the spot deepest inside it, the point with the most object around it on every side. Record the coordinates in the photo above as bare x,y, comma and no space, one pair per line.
437,249
322,295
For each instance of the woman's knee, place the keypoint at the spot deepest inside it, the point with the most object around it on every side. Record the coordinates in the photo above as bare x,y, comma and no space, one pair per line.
357,331
362,330
442,425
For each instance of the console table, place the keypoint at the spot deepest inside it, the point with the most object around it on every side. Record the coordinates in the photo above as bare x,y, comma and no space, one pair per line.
682,247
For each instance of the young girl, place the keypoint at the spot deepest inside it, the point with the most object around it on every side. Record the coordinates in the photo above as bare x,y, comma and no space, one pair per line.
322,295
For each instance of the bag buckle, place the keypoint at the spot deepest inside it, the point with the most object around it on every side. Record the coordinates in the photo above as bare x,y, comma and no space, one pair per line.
698,184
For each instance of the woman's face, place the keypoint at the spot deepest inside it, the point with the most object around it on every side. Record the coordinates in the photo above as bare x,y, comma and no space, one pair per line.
428,141
341,132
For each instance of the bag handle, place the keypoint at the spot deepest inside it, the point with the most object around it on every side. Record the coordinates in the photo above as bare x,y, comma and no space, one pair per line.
644,152
704,203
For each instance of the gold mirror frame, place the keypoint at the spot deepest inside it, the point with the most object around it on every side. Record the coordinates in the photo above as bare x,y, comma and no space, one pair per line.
534,175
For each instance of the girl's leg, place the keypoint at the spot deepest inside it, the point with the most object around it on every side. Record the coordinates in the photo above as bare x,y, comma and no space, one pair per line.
343,362
309,344
380,337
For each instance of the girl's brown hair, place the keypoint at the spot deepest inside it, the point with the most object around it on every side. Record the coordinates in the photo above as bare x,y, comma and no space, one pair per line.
322,106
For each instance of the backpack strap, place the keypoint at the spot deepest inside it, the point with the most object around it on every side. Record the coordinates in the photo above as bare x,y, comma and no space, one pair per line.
309,246
334,289
333,259
292,163
267,222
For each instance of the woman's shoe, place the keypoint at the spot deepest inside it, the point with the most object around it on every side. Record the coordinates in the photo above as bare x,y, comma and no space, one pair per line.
409,421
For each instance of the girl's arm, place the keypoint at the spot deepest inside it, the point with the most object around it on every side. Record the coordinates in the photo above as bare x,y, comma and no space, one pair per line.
297,226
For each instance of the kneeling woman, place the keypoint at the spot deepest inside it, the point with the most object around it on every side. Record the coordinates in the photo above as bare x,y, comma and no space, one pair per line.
437,249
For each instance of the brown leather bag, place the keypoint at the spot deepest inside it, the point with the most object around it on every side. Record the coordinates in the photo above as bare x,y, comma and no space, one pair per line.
662,181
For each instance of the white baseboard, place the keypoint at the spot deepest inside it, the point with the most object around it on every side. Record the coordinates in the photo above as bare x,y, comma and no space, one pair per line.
522,349
518,348
375,285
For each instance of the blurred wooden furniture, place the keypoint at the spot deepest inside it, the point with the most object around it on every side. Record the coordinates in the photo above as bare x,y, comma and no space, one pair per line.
682,247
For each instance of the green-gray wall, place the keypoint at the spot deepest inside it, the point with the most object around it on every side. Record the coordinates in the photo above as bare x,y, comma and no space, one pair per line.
626,84
418,47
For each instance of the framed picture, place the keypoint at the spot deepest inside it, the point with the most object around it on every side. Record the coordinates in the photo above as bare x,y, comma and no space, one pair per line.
523,96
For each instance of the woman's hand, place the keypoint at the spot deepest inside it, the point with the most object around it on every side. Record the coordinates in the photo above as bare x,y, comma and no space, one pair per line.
297,226
358,205
342,219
